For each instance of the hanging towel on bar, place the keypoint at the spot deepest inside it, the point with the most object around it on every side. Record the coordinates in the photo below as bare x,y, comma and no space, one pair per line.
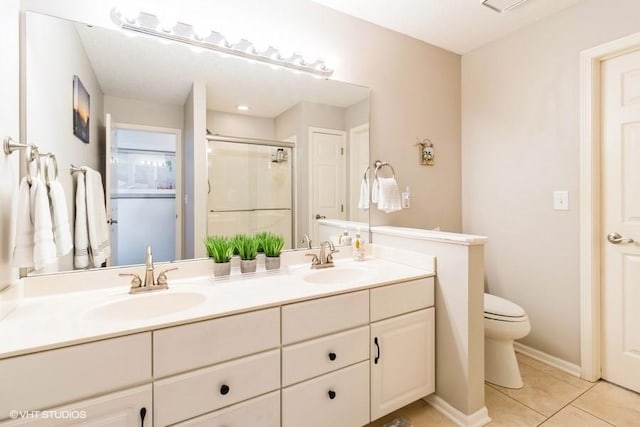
23,249
81,236
34,245
60,218
44,248
363,203
388,195
97,218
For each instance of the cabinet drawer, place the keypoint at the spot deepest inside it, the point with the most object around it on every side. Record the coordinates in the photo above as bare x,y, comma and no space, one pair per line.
324,316
42,380
310,404
263,411
322,355
187,347
393,300
188,395
121,409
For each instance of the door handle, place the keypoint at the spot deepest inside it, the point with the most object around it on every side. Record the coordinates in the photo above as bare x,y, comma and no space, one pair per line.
112,221
318,216
375,341
616,238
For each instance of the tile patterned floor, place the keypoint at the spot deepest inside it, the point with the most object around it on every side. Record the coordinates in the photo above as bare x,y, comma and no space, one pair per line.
549,398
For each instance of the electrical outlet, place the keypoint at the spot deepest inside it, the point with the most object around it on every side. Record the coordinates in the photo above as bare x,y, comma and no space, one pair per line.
561,200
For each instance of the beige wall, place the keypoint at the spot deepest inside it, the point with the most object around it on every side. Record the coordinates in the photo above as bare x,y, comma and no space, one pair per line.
520,142
9,126
240,125
133,111
49,99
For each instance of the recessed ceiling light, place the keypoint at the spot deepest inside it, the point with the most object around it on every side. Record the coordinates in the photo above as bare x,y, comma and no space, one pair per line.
502,5
242,107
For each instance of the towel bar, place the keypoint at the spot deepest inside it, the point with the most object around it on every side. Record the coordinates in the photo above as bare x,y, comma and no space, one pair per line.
379,165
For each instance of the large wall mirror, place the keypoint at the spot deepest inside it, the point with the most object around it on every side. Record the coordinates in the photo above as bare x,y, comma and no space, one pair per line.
279,148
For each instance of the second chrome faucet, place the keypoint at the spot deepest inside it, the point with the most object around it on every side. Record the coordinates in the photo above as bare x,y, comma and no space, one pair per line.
324,259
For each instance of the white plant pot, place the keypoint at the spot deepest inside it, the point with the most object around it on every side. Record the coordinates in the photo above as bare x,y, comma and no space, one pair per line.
272,262
248,265
221,269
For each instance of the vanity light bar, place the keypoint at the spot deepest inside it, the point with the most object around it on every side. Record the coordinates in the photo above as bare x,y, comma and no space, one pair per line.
149,24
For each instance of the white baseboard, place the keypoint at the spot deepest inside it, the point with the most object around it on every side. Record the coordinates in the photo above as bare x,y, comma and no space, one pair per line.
543,357
477,419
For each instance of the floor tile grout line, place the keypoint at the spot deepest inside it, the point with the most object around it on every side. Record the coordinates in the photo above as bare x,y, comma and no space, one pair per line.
593,415
516,400
552,373
570,404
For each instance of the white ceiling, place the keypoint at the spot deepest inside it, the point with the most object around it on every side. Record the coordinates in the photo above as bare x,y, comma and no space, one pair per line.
456,25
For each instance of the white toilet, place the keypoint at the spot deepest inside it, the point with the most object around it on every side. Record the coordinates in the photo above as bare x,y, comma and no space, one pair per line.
504,322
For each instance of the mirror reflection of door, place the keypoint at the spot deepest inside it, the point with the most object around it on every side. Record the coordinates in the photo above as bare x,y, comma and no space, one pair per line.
358,172
326,178
143,182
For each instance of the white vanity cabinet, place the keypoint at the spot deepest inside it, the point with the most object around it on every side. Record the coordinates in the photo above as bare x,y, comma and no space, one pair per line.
128,408
339,360
215,364
53,378
325,361
402,345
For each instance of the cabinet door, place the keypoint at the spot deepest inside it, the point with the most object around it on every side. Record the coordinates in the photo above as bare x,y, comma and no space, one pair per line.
339,399
402,361
121,409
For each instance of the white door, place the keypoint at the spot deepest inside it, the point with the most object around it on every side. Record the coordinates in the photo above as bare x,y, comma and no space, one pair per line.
111,210
621,215
143,184
326,177
359,168
402,361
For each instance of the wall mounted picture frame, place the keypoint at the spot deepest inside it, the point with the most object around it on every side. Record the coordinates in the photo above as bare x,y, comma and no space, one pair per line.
81,104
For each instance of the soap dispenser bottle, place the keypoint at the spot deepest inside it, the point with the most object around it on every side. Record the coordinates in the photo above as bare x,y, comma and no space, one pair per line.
358,248
345,239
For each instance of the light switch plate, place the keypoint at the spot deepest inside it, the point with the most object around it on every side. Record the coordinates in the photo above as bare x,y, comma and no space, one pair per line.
561,200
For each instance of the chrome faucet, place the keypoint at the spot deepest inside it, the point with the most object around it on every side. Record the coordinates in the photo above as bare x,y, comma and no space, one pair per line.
306,239
150,282
323,259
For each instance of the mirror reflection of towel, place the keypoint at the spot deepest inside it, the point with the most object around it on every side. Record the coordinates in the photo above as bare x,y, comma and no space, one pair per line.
91,228
363,203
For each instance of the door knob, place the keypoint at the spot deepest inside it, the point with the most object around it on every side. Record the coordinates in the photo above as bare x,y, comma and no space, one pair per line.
318,216
616,238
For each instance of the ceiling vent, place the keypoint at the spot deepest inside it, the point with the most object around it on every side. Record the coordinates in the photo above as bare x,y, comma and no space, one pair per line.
502,5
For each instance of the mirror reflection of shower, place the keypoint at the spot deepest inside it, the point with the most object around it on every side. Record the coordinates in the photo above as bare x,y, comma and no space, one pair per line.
250,185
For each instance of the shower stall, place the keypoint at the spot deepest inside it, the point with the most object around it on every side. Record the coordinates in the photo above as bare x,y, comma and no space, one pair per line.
250,187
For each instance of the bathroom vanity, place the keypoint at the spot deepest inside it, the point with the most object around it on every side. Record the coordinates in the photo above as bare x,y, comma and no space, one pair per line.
340,346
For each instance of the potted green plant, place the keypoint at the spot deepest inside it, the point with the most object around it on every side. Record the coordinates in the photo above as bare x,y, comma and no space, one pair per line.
272,245
260,238
220,250
247,248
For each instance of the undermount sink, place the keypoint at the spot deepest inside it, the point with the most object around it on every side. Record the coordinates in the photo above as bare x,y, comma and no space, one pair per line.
145,306
339,274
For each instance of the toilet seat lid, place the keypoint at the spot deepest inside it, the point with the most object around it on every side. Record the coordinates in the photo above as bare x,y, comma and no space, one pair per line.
502,307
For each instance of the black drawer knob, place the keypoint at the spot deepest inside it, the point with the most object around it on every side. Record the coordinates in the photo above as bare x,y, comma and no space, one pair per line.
332,356
224,389
332,394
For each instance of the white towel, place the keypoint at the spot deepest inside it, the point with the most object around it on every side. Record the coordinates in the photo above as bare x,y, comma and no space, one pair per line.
23,249
363,203
81,236
375,189
44,249
97,218
60,217
388,195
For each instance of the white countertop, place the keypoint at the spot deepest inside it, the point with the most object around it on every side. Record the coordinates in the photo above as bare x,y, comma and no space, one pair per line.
51,321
